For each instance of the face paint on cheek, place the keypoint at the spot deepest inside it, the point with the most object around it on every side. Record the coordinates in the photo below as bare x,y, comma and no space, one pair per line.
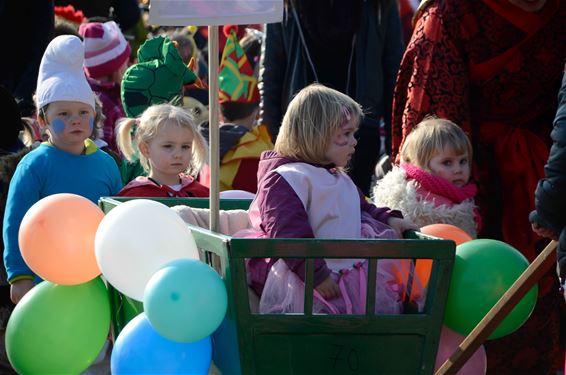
340,143
58,125
90,124
341,140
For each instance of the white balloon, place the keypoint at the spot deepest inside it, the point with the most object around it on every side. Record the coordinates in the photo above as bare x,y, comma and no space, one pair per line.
236,194
135,239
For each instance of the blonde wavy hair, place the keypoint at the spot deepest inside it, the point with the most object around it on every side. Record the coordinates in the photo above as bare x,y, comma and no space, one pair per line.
312,119
430,137
151,121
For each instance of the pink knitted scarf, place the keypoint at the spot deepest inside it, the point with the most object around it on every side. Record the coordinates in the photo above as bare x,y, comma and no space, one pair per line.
439,186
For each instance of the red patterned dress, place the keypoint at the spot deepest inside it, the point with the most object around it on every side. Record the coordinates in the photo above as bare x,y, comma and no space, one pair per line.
495,70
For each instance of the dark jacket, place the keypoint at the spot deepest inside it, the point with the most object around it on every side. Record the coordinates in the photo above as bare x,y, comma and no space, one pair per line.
378,51
126,12
550,195
34,25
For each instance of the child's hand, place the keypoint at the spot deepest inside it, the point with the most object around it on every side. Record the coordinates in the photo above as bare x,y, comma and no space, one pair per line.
19,289
328,289
401,225
544,232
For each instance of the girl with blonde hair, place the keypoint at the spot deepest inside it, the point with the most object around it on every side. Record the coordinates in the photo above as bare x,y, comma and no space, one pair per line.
303,192
170,149
432,184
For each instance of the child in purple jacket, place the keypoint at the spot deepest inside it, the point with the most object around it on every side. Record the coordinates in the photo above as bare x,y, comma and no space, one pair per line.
303,192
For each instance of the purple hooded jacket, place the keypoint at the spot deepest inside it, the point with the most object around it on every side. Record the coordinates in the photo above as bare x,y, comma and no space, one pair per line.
283,216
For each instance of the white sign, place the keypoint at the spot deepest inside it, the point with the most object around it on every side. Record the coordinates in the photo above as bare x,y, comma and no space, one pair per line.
214,12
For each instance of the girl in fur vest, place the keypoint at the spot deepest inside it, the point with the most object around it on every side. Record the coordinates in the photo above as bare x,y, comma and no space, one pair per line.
432,183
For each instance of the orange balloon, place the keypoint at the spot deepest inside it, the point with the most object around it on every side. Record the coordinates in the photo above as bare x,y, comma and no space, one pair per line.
57,238
447,232
444,231
422,269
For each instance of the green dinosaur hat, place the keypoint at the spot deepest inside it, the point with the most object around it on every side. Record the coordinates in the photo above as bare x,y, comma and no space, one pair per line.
158,77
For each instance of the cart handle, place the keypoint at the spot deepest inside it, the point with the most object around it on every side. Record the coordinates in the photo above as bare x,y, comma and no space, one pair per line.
534,272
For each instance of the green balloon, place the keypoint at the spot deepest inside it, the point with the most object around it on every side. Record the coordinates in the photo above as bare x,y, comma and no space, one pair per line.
58,329
483,271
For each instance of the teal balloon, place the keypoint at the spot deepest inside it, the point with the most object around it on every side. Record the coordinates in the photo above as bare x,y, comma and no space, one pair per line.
58,329
483,271
185,300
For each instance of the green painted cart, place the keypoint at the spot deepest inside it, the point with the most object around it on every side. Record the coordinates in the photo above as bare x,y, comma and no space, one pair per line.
249,343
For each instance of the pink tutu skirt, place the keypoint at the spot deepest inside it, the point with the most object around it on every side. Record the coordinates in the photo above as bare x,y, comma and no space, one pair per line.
284,291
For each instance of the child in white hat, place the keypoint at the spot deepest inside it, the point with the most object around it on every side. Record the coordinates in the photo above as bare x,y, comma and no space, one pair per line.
69,162
107,54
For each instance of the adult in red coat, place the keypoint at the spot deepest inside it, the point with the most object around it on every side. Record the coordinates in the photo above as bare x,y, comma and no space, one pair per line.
495,67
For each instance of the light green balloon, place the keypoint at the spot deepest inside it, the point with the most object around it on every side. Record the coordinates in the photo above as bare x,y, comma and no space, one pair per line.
58,329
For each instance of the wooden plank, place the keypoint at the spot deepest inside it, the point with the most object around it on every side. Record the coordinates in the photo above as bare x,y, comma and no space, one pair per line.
372,281
213,129
309,286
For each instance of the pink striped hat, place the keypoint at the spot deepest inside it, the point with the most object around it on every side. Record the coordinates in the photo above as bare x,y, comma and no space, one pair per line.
106,49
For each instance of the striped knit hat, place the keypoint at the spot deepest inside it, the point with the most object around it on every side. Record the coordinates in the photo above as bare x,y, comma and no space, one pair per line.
106,49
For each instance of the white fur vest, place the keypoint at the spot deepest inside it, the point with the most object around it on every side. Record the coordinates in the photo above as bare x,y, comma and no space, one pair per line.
396,192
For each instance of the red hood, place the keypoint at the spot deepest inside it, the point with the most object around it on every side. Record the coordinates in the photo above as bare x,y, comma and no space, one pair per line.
144,181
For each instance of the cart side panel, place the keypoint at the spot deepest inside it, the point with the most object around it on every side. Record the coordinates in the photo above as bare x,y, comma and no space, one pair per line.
331,353
340,344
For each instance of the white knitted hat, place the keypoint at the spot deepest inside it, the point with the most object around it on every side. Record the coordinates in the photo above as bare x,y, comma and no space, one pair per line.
61,76
106,49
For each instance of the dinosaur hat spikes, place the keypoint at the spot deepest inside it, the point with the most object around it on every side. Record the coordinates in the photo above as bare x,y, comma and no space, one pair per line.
158,77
